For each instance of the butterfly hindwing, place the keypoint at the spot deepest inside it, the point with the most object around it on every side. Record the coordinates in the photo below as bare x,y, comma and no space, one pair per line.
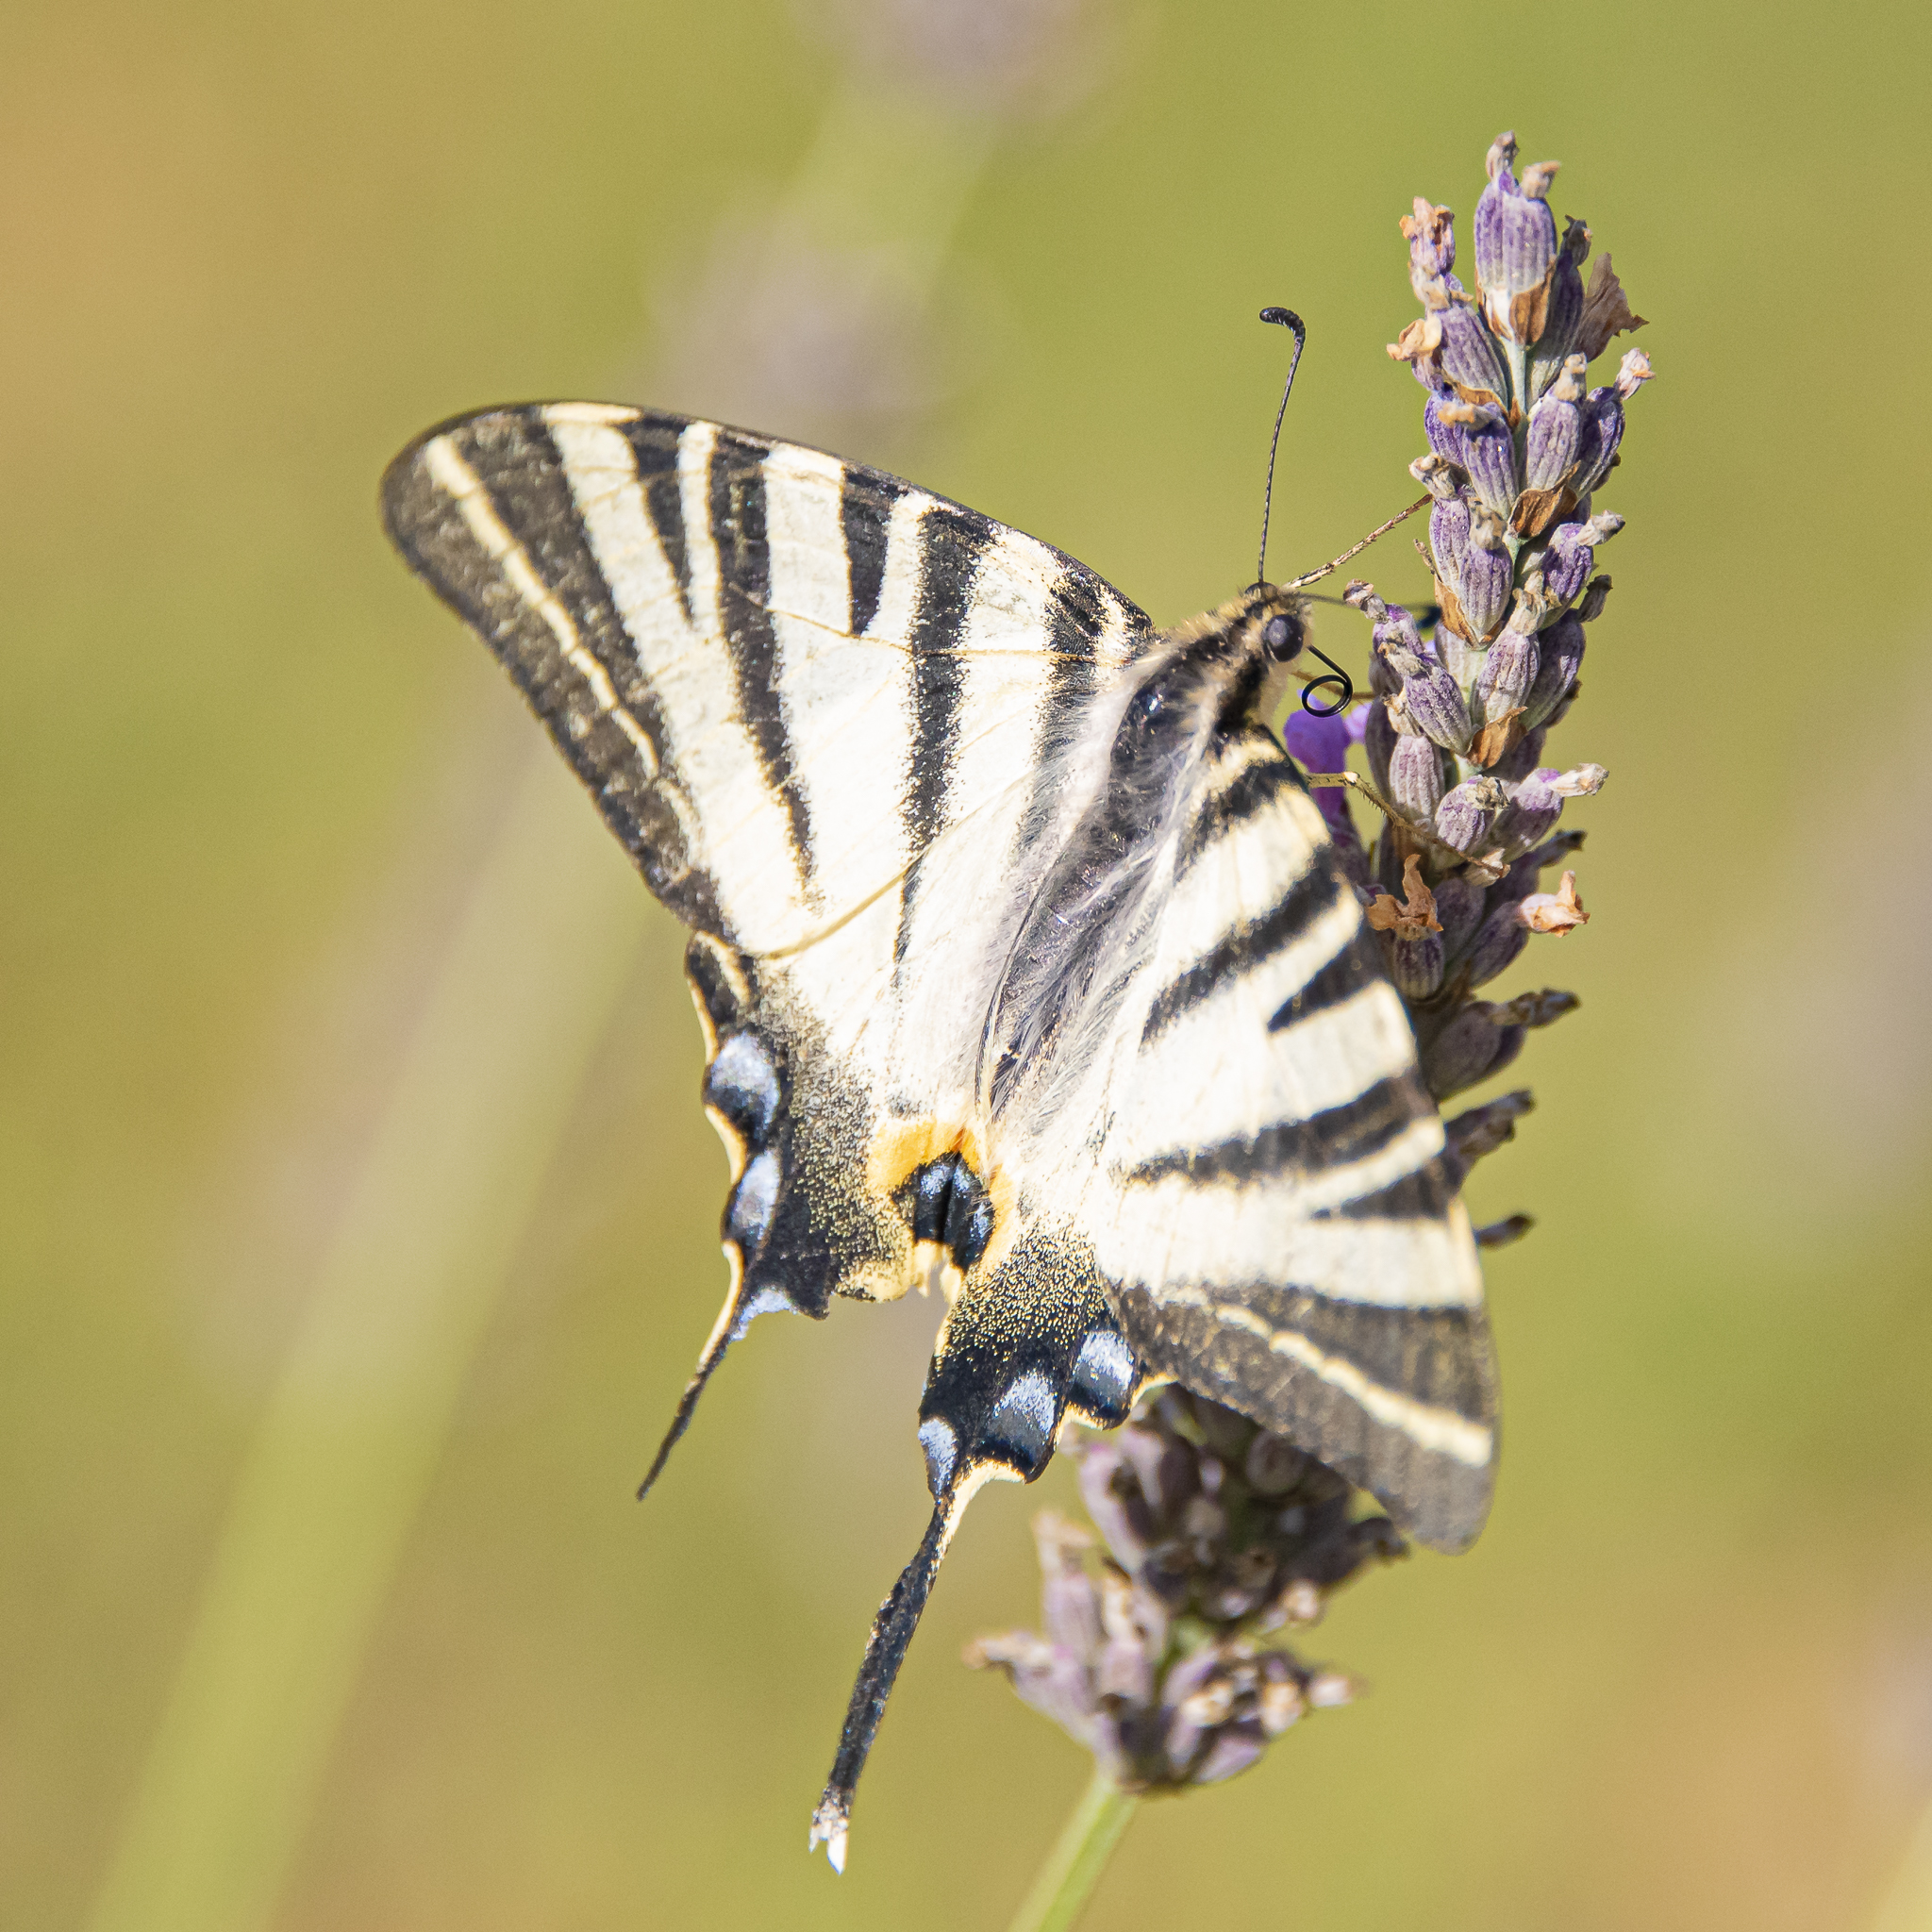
1277,1215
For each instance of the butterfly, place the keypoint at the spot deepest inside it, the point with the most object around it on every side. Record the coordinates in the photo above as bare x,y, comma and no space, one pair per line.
1024,964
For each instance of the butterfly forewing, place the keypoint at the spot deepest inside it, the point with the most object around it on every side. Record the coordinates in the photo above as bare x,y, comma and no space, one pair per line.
820,709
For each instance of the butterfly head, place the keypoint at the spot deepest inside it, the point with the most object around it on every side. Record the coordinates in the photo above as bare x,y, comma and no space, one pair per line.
1266,620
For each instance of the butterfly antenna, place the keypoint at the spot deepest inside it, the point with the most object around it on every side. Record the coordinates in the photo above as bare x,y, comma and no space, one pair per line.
1286,318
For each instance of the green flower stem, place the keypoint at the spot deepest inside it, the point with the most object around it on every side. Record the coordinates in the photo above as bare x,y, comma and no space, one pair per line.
1074,1865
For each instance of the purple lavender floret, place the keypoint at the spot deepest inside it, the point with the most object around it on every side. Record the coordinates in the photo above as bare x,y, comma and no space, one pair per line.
1600,432
1562,650
1515,244
1447,437
1490,454
1555,428
1563,319
1415,778
1468,356
1531,815
1488,576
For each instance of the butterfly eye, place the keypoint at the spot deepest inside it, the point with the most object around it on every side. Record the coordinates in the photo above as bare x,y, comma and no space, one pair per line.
1281,637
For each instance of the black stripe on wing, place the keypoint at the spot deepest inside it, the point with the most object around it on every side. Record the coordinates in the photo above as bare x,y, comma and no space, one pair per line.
654,441
865,519
1336,1137
1264,777
1358,964
1423,1194
745,567
952,544
1314,892
1434,1356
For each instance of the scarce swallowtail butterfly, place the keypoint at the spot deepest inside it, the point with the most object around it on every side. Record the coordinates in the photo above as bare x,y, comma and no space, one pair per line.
1024,965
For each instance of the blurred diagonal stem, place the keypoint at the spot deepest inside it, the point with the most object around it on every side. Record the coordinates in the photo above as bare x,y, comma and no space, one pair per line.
1072,1868
353,1431
1908,1905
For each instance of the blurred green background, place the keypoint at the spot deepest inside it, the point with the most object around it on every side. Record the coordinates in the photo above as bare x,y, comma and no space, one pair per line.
358,1216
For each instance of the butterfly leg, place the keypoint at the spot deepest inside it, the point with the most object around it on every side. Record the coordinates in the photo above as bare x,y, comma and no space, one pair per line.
1018,1354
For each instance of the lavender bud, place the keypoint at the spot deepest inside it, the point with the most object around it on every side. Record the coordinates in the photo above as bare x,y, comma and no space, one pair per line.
1633,372
1515,247
1595,594
1116,1503
1508,669
1435,475
1416,965
1522,758
1527,1010
1189,1711
1069,1603
1415,777
1468,355
1567,558
1431,234
1563,320
1281,1702
1448,534
1555,424
1054,1681
1499,1234
1329,1690
1488,452
1433,701
1467,810
1579,781
1561,647
1530,816
1136,1629
1498,940
1447,435
1234,1749
1481,1130
1487,576
1565,845
1600,431
1460,909
1468,1049
1394,631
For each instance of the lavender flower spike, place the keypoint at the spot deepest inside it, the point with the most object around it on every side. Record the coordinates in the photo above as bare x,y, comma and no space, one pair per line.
1218,1535
1513,539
